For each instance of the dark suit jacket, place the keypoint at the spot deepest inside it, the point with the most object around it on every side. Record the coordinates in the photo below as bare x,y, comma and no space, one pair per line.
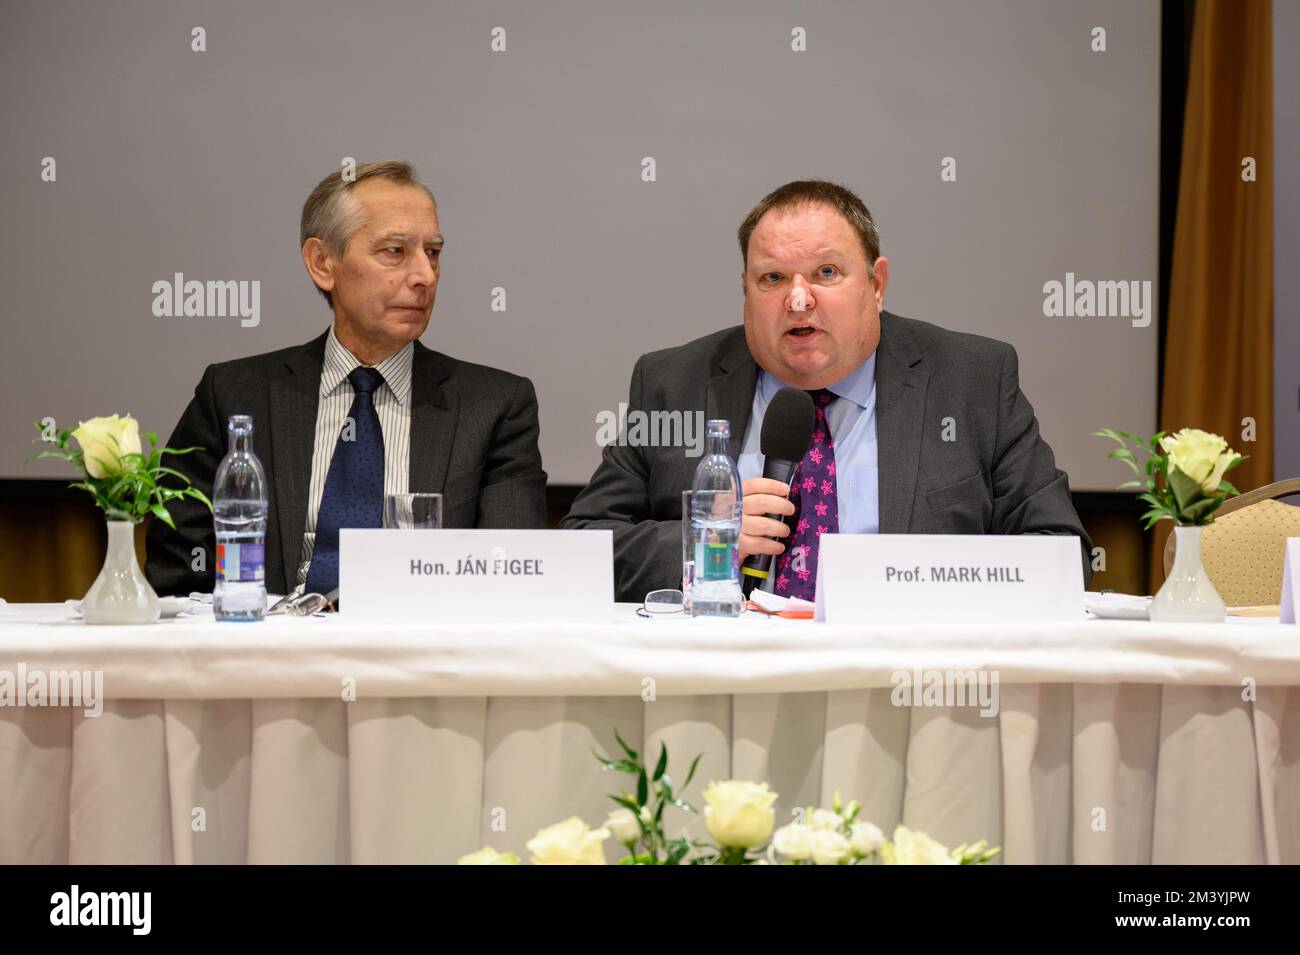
997,477
473,439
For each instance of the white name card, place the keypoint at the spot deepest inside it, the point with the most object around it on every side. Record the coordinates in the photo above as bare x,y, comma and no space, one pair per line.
1290,579
480,576
948,578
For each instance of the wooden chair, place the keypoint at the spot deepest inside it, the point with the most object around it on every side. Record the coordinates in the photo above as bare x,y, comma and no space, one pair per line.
1243,548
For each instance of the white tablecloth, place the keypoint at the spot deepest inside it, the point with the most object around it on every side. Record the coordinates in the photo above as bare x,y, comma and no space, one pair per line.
1113,741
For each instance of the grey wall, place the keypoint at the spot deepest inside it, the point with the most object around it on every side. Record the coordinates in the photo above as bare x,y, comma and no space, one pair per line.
171,161
1286,241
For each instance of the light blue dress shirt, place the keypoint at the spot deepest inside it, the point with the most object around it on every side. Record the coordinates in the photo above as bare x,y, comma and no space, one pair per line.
852,420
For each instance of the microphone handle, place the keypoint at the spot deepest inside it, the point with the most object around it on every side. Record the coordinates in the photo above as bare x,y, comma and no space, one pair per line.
758,567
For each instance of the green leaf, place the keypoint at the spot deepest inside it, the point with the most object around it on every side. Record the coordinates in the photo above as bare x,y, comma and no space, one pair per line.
631,753
1195,513
1225,486
627,804
663,761
691,774
684,806
642,788
196,493
1128,484
160,512
666,786
1186,491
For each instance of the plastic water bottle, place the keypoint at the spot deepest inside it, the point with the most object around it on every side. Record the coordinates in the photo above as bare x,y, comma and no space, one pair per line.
239,507
715,528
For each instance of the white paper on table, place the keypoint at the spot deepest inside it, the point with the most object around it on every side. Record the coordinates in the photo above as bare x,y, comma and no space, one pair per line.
775,603
1116,606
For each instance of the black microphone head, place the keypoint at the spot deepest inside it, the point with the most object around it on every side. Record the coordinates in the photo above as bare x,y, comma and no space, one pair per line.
788,425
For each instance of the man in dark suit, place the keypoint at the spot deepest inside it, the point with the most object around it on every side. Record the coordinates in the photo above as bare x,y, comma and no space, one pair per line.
919,429
361,411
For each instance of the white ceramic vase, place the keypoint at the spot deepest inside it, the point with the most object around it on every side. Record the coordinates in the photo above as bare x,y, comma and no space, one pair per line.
1187,595
120,594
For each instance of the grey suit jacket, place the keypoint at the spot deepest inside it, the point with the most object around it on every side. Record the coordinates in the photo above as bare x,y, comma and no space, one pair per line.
997,477
473,439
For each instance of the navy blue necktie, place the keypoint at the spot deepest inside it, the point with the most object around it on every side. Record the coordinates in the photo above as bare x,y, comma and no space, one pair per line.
354,486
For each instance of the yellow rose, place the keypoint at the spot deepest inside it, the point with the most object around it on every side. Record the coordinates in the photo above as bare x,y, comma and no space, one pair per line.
739,814
103,442
488,856
914,848
1203,457
568,843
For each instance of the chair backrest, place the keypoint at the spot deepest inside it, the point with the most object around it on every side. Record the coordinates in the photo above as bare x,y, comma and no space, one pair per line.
1244,547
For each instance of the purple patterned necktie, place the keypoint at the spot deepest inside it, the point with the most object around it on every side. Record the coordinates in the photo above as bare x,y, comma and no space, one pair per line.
812,492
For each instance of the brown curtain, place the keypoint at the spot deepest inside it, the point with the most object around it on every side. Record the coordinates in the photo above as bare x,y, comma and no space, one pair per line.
1218,353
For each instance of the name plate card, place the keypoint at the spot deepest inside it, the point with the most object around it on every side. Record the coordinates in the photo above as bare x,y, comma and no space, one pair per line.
948,578
1290,579
480,576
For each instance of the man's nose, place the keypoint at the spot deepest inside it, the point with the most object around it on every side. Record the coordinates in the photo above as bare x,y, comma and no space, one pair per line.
425,271
800,298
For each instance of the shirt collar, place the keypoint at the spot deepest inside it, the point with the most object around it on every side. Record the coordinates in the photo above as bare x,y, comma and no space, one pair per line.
858,386
339,363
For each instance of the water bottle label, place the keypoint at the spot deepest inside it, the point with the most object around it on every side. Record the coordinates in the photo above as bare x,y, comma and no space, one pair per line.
240,563
714,562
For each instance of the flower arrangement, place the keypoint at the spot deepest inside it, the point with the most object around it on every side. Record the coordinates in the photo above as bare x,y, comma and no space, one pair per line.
1184,483
122,479
740,818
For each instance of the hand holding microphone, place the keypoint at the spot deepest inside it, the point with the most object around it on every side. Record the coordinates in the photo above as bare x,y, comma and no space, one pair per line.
787,432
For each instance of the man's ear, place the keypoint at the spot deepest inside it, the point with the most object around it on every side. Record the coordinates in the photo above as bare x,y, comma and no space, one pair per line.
742,282
320,263
880,279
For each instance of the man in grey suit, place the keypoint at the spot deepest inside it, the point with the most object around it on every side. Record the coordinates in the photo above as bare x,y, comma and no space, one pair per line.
920,430
361,411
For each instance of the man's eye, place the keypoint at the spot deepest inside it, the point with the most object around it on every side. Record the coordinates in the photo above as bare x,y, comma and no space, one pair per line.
771,276
395,249
433,253
826,271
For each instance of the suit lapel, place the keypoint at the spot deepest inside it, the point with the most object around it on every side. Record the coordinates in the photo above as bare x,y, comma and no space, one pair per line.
900,422
295,398
433,421
731,387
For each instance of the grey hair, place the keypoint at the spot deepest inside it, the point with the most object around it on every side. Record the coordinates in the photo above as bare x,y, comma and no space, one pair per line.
332,214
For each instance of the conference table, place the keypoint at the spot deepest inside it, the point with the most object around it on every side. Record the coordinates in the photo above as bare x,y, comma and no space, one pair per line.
329,740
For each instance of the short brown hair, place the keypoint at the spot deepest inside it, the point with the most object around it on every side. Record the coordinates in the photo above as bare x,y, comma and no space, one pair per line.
332,215
815,191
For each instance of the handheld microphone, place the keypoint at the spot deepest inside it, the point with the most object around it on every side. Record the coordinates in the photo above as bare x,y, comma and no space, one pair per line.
787,432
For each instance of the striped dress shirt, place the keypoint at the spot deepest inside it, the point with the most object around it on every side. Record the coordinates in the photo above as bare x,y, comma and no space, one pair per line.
392,405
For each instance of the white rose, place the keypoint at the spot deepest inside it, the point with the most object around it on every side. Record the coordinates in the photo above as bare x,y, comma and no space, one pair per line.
914,848
865,838
829,847
104,441
824,819
622,823
488,856
739,814
1202,456
794,841
568,843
